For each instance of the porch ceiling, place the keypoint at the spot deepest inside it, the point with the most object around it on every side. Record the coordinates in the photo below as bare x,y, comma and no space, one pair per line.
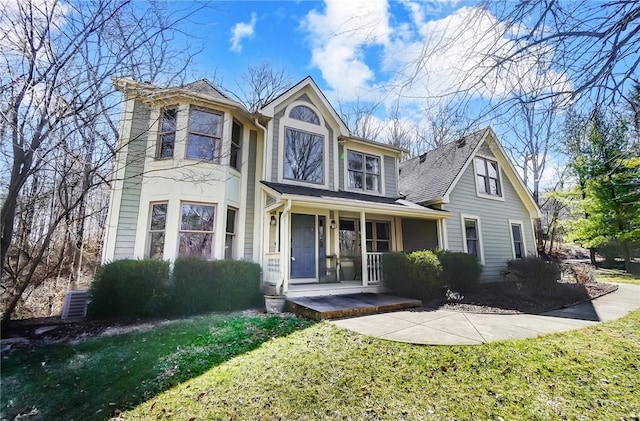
348,201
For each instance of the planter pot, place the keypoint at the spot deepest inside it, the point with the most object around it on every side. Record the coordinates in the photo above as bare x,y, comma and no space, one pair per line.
274,303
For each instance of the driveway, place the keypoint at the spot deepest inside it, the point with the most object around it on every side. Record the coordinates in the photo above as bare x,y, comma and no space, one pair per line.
446,327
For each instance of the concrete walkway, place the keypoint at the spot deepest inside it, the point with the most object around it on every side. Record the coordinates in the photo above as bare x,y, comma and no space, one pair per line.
446,327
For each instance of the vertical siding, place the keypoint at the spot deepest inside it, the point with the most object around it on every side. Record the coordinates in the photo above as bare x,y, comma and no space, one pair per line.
251,196
494,221
275,143
130,204
419,234
341,159
390,177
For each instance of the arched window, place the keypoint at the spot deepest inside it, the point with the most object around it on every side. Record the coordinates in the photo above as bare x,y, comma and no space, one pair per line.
304,113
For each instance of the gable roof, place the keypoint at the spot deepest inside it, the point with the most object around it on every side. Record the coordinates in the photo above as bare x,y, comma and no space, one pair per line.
268,109
430,176
203,86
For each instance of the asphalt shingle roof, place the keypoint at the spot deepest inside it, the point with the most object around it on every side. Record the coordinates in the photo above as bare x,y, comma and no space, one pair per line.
314,192
203,86
429,176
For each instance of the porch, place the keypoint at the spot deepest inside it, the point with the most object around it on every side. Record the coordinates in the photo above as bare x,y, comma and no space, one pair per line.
345,305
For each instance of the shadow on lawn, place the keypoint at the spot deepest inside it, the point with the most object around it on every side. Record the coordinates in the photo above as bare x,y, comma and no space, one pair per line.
97,378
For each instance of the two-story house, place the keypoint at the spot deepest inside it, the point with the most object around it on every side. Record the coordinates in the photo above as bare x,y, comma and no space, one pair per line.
290,188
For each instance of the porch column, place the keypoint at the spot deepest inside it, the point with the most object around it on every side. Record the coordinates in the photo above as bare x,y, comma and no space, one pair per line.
363,249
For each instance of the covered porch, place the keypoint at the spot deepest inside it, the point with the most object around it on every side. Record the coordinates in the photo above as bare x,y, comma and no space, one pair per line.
313,241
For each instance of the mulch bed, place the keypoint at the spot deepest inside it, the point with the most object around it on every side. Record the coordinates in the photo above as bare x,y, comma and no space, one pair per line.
500,299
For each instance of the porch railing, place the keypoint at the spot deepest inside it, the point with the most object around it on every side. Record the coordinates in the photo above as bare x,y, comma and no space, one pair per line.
272,273
374,267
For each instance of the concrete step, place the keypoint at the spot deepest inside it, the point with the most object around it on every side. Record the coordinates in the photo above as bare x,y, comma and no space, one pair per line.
337,306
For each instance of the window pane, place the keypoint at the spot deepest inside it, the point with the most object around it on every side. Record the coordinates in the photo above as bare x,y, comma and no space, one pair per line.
493,169
372,183
382,231
480,168
369,245
470,229
202,147
158,216
204,122
231,220
355,180
481,181
355,161
228,246
517,233
195,245
197,217
169,117
304,156
518,250
472,247
156,246
236,145
382,246
167,142
369,227
306,114
348,238
493,185
373,165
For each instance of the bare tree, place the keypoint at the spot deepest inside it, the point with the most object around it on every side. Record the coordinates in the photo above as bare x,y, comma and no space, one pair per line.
59,113
359,116
260,85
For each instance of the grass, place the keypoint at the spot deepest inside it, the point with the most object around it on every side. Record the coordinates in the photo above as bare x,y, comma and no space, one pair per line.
326,373
95,379
616,276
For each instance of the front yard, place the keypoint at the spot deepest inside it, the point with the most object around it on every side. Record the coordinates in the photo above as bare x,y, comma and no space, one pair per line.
230,368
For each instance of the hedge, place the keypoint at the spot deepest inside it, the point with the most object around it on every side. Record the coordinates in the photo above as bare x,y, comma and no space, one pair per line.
415,275
460,271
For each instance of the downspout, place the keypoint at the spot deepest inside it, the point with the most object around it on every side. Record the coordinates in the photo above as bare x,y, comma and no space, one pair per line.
285,246
264,146
263,230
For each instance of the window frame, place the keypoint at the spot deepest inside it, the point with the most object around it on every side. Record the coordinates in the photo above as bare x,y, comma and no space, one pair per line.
161,133
364,172
487,178
374,236
464,217
512,223
284,158
229,250
235,148
216,138
151,231
190,231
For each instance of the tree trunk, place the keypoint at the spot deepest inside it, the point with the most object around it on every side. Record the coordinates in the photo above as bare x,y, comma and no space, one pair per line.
592,255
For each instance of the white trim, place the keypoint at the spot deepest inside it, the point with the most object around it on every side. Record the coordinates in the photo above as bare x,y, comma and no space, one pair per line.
524,241
363,248
445,234
464,216
381,181
499,197
287,122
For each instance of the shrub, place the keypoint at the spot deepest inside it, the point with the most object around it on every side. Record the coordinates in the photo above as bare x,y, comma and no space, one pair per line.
415,275
460,271
582,273
538,276
130,289
200,285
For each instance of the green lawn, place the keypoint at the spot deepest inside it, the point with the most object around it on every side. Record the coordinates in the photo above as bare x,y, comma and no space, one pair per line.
97,378
321,372
617,276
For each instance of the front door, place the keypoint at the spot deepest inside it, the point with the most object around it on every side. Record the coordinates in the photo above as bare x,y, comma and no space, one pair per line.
303,246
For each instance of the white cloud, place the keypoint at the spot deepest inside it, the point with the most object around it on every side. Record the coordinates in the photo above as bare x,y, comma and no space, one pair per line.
338,36
240,31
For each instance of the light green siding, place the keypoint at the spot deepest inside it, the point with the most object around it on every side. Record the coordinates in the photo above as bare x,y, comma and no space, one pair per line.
132,184
390,176
251,196
340,167
494,218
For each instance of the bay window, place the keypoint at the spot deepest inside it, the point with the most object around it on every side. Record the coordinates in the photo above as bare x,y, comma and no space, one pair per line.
167,133
205,134
157,223
196,230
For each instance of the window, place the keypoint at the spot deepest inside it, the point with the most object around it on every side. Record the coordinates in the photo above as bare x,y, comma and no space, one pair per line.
472,238
205,132
363,171
378,236
230,233
518,243
487,178
157,223
306,114
348,238
167,133
303,156
196,230
236,145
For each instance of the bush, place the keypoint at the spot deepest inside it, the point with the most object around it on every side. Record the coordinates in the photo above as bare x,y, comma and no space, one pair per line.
415,275
538,276
200,285
460,271
130,289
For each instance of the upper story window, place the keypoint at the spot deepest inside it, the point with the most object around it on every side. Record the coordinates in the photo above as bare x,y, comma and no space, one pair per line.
236,146
304,113
303,156
205,133
363,172
167,132
487,177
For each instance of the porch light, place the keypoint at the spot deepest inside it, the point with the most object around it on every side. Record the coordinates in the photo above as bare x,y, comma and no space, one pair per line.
272,221
333,224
